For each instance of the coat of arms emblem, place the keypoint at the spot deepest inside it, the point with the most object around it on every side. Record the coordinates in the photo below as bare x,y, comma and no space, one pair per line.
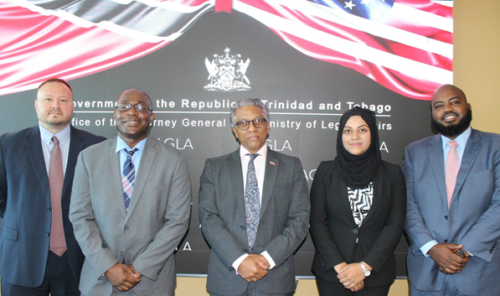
227,73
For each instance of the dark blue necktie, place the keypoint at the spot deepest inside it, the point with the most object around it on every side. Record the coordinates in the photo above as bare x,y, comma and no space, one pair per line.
252,202
128,178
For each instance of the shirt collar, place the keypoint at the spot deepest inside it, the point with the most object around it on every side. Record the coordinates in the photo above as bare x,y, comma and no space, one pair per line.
262,151
461,139
63,136
120,144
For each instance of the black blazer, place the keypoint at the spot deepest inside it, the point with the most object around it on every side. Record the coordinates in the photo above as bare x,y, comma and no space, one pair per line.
25,205
334,231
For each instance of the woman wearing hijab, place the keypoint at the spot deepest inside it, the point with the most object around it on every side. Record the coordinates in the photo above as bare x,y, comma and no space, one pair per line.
358,210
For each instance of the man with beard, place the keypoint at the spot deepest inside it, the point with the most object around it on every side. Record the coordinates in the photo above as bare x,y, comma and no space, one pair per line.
453,209
38,251
131,206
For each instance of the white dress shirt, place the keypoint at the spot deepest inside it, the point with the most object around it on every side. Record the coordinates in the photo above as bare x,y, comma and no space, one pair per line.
260,171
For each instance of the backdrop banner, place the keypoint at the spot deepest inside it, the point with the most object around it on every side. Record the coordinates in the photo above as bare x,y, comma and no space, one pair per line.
309,61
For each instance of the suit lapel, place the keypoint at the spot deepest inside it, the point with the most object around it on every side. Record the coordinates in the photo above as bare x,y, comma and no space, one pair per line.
272,166
344,200
147,160
236,175
115,175
435,152
35,152
75,146
469,157
378,184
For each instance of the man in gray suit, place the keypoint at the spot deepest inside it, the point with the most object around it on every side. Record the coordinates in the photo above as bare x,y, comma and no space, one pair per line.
254,210
453,210
131,206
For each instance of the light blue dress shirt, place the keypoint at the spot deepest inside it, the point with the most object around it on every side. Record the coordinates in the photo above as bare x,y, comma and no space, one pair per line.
64,140
462,142
136,158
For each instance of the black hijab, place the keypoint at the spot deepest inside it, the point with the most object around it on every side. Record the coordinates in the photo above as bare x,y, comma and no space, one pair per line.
357,171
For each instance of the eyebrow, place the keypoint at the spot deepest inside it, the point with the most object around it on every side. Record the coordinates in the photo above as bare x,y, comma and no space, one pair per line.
441,101
358,126
128,102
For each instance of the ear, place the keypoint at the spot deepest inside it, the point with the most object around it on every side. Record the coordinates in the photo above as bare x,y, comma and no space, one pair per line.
36,104
152,117
468,105
234,132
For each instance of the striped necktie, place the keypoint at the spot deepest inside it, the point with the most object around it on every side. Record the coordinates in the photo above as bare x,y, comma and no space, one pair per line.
128,177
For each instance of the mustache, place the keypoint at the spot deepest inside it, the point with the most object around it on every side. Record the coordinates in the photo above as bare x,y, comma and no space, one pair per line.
449,112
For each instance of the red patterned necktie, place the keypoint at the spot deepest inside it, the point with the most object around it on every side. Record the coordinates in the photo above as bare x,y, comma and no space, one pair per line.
56,180
452,168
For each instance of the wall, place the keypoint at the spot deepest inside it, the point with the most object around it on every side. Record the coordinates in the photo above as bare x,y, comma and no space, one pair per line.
476,71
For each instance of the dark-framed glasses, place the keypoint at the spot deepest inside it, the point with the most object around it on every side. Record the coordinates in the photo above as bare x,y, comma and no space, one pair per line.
245,124
141,107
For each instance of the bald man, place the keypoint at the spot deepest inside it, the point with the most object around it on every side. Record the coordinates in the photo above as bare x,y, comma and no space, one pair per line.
131,206
453,209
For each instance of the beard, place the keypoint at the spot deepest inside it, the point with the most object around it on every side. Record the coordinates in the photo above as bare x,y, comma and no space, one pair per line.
454,129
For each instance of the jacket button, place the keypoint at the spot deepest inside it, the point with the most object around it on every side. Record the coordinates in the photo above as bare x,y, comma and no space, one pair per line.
446,217
445,240
49,209
242,227
126,227
355,231
48,233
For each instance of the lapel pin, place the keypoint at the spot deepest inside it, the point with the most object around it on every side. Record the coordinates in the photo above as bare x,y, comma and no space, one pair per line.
272,163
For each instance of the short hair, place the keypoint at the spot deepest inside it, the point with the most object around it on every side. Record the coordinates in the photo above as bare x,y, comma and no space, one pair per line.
55,79
248,102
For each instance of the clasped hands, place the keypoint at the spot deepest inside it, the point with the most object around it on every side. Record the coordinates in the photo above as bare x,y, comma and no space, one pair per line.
447,261
253,268
123,276
351,275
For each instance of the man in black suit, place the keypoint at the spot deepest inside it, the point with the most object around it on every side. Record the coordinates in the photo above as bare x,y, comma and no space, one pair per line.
38,251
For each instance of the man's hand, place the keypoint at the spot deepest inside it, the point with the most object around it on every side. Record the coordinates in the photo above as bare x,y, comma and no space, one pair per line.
358,287
447,261
351,276
339,266
123,277
253,268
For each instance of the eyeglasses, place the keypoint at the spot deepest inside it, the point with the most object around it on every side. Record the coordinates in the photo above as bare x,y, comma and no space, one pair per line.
141,107
245,124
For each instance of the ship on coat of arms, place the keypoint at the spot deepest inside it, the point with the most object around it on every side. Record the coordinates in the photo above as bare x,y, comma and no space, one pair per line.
227,73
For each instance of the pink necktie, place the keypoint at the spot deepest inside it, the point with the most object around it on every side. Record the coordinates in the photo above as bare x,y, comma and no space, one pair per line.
56,179
451,170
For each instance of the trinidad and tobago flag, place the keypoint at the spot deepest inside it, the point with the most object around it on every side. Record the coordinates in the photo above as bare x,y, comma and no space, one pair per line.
405,45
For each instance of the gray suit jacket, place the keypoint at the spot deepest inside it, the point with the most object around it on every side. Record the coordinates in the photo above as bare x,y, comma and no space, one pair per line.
145,236
284,218
473,219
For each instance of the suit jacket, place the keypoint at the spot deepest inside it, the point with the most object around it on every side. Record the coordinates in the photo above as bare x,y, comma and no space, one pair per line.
147,234
472,219
335,232
26,209
284,217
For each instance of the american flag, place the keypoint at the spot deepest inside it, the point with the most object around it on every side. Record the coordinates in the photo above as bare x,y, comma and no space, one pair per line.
404,45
